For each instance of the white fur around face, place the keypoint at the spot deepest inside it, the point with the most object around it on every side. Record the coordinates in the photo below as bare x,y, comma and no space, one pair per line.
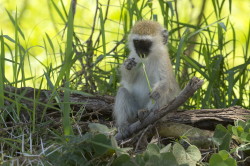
156,42
140,37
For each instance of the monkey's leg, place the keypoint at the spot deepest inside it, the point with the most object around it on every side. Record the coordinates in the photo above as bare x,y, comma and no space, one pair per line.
125,109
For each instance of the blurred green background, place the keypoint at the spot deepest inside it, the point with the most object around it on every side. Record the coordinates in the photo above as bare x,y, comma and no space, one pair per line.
208,39
39,17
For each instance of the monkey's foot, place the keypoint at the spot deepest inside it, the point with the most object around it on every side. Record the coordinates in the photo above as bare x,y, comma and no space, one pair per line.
142,114
129,63
124,130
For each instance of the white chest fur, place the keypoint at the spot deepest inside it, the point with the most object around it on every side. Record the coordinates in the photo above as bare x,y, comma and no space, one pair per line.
143,82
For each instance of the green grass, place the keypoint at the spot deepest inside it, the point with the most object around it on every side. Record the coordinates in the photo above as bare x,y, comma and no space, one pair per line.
91,66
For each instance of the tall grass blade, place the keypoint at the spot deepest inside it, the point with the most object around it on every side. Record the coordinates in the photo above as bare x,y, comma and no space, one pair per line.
58,11
64,9
67,128
2,70
248,43
234,39
102,31
215,7
13,20
180,51
230,87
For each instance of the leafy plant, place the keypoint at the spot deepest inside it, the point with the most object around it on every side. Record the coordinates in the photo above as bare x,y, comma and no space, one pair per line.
241,130
222,158
190,156
170,155
223,137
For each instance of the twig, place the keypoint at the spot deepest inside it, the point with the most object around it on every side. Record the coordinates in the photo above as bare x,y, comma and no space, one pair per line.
141,136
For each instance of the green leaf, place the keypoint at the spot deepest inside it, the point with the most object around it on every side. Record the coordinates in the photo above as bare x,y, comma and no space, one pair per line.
14,22
122,160
234,130
180,50
222,137
152,156
240,129
224,154
165,159
170,5
220,37
193,153
102,31
189,156
58,11
247,126
194,64
240,123
139,159
169,159
204,28
231,162
179,153
223,158
245,137
99,128
2,70
153,149
166,148
154,160
216,160
101,144
66,72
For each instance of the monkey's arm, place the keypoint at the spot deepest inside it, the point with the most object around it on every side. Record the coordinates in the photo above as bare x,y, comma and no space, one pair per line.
167,87
164,91
164,87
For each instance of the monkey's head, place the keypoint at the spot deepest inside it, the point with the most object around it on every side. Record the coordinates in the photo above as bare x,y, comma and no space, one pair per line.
145,36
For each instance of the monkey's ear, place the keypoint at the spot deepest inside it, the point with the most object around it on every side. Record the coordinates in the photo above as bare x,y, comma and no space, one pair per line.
165,36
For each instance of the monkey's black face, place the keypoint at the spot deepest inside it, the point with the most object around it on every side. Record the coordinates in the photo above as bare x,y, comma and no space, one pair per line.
142,47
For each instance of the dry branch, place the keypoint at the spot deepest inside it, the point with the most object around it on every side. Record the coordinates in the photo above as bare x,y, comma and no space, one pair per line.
208,118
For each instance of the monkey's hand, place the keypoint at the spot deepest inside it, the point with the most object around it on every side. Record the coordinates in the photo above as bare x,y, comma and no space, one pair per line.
129,63
155,95
142,114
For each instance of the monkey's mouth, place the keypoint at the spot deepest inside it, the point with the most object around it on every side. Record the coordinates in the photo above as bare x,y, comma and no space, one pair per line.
142,47
142,55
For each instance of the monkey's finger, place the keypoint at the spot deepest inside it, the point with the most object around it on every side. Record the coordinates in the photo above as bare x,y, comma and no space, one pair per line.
155,95
142,114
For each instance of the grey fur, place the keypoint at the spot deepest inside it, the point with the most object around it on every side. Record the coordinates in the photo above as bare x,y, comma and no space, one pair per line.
134,93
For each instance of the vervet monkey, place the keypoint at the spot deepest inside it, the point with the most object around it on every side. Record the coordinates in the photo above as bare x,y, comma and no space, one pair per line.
148,65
